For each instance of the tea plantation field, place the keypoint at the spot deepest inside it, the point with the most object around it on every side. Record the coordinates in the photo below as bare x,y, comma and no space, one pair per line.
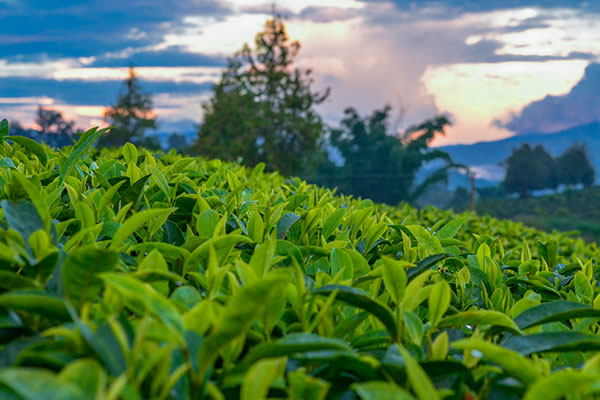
131,275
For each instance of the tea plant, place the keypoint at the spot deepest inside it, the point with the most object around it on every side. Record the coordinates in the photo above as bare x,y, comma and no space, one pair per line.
131,275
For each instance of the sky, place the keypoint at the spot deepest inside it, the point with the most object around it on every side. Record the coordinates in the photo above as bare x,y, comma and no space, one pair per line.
499,68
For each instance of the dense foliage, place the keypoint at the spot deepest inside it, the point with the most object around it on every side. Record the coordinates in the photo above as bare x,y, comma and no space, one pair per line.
570,210
574,166
529,169
126,274
380,164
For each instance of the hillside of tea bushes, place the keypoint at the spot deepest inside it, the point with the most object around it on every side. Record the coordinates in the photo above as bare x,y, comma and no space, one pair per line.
131,275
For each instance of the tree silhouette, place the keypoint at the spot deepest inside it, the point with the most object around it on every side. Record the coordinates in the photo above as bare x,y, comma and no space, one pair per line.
131,116
52,122
528,170
262,108
379,165
574,166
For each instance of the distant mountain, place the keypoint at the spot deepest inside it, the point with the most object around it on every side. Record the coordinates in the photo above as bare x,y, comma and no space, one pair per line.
486,157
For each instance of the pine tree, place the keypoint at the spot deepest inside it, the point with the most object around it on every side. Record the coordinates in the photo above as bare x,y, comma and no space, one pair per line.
262,109
131,116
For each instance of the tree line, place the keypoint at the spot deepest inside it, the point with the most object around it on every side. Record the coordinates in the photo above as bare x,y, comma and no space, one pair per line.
529,169
262,110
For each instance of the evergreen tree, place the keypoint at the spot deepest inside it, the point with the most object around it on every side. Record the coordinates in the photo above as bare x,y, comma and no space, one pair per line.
574,166
262,108
131,116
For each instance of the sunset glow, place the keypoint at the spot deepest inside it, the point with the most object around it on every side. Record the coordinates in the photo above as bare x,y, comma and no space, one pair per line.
478,64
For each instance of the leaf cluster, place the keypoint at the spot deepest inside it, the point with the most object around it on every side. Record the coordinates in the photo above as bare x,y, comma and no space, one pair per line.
132,275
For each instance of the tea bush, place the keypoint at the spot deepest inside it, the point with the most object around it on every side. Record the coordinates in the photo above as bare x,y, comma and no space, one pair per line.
131,275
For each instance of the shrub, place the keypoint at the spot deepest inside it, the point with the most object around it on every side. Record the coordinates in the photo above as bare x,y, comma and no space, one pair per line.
127,274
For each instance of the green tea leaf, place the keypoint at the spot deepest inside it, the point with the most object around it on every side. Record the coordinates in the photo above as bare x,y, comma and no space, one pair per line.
84,142
357,298
130,153
34,195
256,227
80,272
133,194
306,387
451,228
554,342
293,343
560,385
439,300
207,222
36,302
426,239
341,262
332,222
419,381
380,390
480,317
32,146
135,222
3,128
394,277
259,378
285,223
262,257
239,313
424,265
87,375
141,297
38,384
23,217
554,311
515,364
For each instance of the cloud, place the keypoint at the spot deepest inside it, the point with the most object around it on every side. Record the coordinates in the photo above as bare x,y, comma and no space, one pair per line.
382,56
455,7
327,14
554,113
88,93
369,52
91,27
173,56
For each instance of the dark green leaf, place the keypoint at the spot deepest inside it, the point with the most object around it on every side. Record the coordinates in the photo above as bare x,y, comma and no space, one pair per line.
285,223
23,217
35,302
80,273
84,142
359,299
332,222
239,313
292,344
552,342
32,146
3,128
424,265
480,317
554,311
38,384
133,194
